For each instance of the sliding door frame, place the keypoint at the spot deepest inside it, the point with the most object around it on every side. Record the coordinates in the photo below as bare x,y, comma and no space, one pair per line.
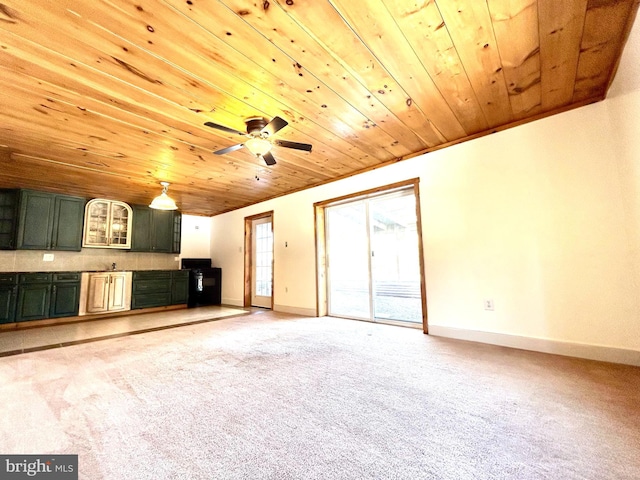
322,308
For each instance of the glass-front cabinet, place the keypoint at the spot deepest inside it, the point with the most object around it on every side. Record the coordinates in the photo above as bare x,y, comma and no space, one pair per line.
107,224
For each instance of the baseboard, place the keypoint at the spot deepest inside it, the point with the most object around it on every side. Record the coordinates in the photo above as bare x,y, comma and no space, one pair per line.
580,350
233,302
305,312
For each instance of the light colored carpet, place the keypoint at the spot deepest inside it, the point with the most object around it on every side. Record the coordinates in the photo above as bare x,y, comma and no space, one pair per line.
269,396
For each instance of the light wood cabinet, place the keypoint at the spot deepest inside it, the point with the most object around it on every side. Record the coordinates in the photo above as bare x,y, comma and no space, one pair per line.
107,224
103,292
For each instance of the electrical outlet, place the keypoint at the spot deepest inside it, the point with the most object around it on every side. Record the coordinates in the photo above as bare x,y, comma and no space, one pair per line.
488,304
47,257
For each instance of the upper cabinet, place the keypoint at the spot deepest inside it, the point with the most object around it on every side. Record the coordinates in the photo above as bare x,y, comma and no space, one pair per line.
49,221
156,230
8,218
107,224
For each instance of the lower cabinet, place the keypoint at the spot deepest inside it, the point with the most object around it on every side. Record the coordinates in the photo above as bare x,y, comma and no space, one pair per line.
8,294
34,295
179,286
47,295
103,292
159,288
65,295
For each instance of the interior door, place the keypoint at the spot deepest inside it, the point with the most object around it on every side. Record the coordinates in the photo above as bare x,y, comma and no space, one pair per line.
262,262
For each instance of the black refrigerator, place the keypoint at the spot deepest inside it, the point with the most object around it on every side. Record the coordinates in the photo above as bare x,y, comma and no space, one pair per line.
205,282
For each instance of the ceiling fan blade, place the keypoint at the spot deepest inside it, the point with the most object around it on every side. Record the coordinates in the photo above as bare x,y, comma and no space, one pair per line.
223,128
296,145
274,125
268,159
233,148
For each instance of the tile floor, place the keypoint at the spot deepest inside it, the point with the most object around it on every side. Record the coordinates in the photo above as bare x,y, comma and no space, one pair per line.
31,339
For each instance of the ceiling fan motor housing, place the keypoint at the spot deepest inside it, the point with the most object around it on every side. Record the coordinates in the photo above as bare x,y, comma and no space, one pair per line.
255,125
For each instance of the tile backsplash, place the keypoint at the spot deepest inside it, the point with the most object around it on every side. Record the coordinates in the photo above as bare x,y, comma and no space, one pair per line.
86,260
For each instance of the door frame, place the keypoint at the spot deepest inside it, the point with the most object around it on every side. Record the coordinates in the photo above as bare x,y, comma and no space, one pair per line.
248,256
322,307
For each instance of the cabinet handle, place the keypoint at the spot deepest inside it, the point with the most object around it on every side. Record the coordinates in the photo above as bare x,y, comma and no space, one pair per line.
54,288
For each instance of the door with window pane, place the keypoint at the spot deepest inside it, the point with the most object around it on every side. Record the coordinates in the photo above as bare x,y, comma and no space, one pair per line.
262,259
373,259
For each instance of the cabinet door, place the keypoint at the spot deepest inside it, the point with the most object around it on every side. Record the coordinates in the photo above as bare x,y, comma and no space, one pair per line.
177,232
96,224
8,218
7,303
33,301
98,293
120,223
67,223
141,230
162,231
118,298
179,287
65,299
36,220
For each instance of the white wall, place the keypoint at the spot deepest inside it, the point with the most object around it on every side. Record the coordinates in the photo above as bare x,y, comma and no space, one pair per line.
196,237
543,219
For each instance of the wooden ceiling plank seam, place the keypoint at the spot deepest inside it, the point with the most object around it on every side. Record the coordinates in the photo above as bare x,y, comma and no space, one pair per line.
422,90
373,145
515,26
432,45
469,24
347,87
561,26
600,46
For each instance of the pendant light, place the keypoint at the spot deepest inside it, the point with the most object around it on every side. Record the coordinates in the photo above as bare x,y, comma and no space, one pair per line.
163,201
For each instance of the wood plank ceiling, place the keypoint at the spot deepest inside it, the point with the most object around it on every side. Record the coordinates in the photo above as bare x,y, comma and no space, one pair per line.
106,98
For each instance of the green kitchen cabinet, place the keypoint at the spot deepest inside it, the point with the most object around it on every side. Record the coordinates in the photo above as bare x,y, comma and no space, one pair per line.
49,221
151,288
159,288
177,232
155,230
8,218
65,295
34,296
179,286
8,294
141,229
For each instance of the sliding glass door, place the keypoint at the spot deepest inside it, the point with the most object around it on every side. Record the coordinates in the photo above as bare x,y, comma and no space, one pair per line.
373,259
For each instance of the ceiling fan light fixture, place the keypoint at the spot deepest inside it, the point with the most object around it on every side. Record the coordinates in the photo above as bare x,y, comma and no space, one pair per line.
163,201
258,146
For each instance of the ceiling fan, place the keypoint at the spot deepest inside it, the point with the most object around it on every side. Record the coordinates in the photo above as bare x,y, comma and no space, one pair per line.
259,131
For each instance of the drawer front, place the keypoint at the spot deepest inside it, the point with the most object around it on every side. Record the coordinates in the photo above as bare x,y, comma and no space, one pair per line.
35,278
180,274
151,286
152,275
66,277
150,300
8,278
